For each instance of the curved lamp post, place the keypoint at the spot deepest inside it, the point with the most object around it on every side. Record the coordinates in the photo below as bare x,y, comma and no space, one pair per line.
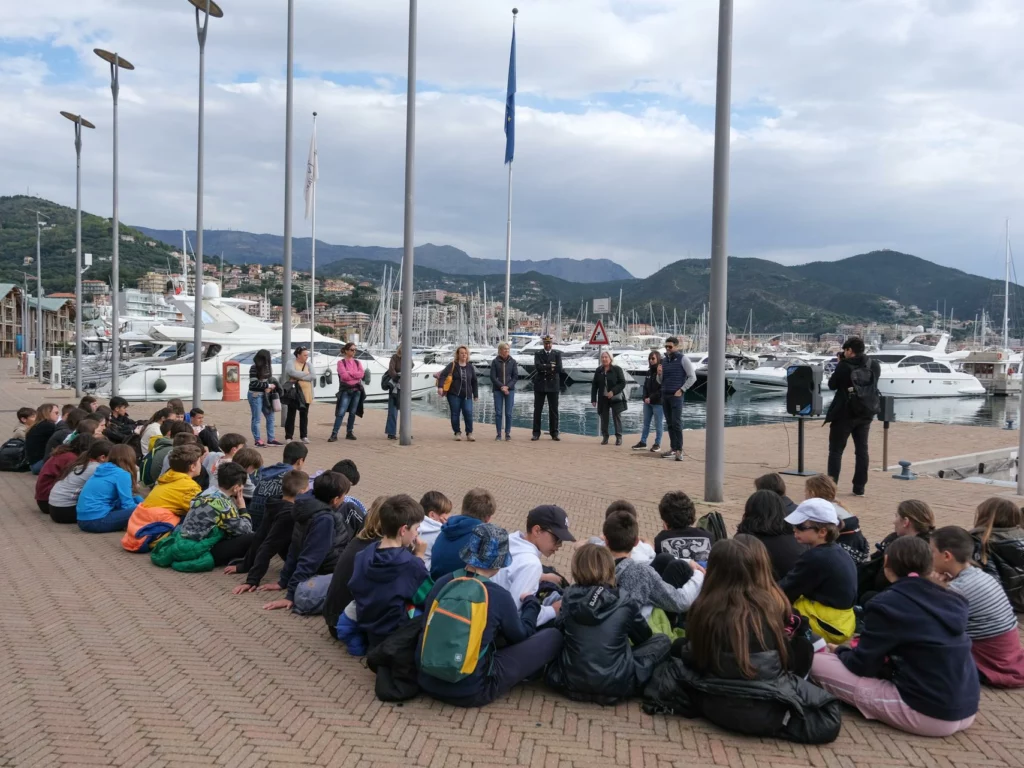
80,123
116,65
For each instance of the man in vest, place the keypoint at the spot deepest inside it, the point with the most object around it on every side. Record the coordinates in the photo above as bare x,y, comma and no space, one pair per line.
845,417
547,381
677,376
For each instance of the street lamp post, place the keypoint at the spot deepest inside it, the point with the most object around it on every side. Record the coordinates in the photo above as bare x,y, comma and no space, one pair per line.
116,65
39,297
405,399
204,10
80,122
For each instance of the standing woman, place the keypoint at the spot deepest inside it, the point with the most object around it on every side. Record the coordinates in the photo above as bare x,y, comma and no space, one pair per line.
458,383
350,391
504,374
262,389
652,404
608,395
299,374
394,375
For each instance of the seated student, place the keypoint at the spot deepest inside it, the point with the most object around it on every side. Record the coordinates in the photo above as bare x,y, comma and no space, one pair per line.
1000,545
230,444
268,484
341,621
478,506
642,583
251,460
348,468
155,462
26,418
39,434
436,509
912,667
120,426
991,623
152,429
63,429
89,404
850,538
177,409
608,650
221,506
389,575
110,496
63,457
161,511
773,482
444,672
64,496
547,527
741,665
319,536
764,518
279,538
681,539
196,419
822,586
913,518
642,552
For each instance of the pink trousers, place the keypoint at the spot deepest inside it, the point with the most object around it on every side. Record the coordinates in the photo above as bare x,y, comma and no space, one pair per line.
878,699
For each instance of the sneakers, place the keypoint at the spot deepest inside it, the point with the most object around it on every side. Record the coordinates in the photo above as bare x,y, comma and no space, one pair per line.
656,447
497,438
679,456
641,446
535,438
618,439
260,444
349,436
508,437
274,442
305,441
858,491
458,437
470,438
332,439
668,454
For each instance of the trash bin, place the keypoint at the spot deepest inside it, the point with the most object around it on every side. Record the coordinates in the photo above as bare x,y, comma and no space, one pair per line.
232,381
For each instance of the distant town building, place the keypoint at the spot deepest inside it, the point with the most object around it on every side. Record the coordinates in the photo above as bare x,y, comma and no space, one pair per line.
94,288
11,318
58,320
152,282
127,238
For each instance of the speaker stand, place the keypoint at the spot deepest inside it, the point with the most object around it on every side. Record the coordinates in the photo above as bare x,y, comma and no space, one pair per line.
800,471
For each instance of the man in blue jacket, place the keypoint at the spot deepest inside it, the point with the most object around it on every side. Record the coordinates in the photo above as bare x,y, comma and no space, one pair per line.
445,556
677,376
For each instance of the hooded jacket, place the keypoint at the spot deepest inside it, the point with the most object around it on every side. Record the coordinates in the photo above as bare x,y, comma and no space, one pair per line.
383,583
599,627
319,536
160,451
652,387
339,595
50,472
919,631
429,531
36,439
504,373
840,382
174,491
268,486
109,489
523,575
453,536
1005,561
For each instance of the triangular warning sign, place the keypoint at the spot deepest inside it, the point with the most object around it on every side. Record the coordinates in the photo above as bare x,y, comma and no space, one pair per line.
599,336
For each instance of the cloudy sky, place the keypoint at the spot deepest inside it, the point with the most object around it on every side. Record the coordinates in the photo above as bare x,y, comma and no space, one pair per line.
857,124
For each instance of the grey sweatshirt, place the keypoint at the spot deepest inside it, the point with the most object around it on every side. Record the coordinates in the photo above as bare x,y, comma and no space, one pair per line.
65,492
644,585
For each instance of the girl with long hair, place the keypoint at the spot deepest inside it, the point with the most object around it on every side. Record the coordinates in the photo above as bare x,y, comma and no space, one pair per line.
764,518
1000,549
110,496
913,518
63,456
652,405
42,430
263,389
65,493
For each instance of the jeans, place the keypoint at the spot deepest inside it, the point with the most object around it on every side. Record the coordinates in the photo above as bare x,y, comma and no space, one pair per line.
255,411
503,404
464,405
115,520
654,412
289,423
391,428
838,434
538,409
673,408
37,467
348,402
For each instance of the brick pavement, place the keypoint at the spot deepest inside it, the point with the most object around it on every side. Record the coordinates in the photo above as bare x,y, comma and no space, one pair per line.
111,661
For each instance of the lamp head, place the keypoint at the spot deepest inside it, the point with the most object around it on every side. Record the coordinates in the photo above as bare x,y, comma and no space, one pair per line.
202,5
113,58
78,119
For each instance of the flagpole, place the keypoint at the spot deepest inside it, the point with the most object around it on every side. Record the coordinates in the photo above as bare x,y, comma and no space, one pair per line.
509,151
312,278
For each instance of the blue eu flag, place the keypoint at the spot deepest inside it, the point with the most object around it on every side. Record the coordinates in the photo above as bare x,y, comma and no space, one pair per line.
510,104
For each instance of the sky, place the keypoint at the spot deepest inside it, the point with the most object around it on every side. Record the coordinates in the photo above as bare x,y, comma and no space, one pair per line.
856,124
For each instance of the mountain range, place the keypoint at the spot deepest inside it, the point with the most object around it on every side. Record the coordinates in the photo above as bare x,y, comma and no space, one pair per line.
249,248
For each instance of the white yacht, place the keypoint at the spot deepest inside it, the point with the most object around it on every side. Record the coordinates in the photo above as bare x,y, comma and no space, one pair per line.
920,375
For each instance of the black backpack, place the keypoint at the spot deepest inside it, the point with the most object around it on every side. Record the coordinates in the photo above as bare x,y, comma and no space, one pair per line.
714,524
12,456
862,396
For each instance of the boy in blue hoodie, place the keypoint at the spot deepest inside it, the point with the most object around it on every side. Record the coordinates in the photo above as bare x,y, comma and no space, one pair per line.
389,575
478,507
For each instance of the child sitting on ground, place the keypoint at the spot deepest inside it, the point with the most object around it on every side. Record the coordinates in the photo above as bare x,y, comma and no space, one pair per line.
319,536
221,506
912,667
444,672
26,418
348,468
341,621
823,584
278,540
436,509
681,539
64,496
642,552
1000,550
387,577
773,482
250,460
151,431
161,511
642,583
608,652
850,537
110,496
913,518
991,623
478,506
64,455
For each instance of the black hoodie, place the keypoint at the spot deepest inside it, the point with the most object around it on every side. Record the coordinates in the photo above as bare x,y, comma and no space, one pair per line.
841,381
920,630
319,536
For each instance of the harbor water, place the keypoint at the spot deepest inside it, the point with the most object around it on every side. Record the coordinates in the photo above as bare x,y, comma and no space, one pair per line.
578,416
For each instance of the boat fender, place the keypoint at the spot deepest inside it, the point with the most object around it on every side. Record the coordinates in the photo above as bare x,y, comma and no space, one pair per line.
159,386
366,376
218,382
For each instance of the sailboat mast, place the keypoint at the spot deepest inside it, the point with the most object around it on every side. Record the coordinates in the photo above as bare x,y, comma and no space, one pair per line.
1006,292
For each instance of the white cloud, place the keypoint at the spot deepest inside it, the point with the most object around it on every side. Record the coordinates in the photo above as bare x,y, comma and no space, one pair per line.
858,123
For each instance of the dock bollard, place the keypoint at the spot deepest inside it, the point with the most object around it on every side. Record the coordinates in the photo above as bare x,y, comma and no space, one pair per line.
905,473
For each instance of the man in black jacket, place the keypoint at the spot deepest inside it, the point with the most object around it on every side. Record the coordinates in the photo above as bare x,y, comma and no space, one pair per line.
547,381
845,417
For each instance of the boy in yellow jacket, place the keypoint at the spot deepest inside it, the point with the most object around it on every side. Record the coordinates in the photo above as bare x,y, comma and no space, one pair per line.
167,503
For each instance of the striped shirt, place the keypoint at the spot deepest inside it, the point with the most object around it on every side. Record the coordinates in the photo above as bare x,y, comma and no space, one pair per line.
989,610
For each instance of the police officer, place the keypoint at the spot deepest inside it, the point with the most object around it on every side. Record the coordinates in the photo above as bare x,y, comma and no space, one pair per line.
547,380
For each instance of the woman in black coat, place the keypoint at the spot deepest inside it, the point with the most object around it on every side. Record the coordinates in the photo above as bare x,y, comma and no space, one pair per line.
764,518
608,395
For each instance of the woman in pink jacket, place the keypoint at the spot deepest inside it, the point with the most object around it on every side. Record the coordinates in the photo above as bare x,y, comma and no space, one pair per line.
350,391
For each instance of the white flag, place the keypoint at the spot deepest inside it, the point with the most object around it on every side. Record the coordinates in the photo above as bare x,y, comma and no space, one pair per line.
312,173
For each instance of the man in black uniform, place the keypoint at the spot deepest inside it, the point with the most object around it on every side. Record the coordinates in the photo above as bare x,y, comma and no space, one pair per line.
855,382
547,380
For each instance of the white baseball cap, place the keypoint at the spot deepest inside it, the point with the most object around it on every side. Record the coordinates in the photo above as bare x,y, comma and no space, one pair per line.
814,511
